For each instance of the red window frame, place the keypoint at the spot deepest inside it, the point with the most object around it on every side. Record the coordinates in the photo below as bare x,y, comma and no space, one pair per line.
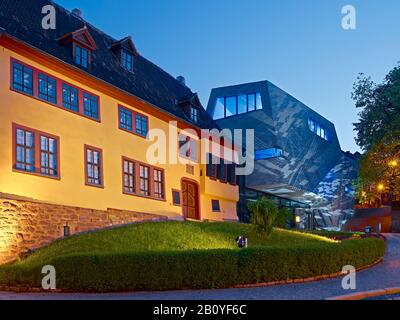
131,176
150,179
37,151
59,91
133,120
100,165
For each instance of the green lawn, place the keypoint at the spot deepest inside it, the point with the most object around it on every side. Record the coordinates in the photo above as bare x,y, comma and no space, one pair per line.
186,255
167,236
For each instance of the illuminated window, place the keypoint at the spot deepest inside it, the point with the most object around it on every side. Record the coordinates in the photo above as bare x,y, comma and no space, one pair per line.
318,129
234,105
268,153
22,78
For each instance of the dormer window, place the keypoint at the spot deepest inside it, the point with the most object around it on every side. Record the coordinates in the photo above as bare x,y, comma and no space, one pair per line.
82,56
194,114
126,52
82,44
127,60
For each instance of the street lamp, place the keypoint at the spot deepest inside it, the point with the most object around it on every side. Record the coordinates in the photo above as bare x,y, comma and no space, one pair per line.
393,164
380,189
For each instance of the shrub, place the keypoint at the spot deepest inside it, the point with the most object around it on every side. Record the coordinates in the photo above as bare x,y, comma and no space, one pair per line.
283,218
197,269
263,214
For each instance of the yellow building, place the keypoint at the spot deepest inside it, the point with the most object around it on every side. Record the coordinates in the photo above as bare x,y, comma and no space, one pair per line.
75,112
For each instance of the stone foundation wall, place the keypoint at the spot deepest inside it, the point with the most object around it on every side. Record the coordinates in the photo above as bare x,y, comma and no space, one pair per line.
26,225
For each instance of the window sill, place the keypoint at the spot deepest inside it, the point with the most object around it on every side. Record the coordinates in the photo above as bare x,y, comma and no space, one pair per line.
54,105
99,186
134,133
144,197
37,174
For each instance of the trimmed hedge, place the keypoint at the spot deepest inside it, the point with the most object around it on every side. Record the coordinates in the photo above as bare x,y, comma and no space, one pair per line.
198,269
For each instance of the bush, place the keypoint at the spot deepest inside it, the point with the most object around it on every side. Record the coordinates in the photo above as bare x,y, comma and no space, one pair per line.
283,218
197,269
263,215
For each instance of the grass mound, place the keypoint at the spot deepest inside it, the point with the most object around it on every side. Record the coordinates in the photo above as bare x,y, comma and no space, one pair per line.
176,255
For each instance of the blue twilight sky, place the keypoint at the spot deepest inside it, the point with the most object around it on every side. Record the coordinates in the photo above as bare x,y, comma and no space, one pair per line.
297,44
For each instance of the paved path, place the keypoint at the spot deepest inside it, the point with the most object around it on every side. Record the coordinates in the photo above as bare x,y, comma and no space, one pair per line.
384,275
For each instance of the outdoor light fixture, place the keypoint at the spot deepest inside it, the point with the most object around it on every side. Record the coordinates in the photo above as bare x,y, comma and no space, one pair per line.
380,187
67,230
298,219
393,163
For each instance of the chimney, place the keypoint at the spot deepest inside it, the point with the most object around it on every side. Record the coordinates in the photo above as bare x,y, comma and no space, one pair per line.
181,80
77,12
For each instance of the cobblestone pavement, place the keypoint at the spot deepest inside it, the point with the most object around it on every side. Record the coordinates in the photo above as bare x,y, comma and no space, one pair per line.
384,275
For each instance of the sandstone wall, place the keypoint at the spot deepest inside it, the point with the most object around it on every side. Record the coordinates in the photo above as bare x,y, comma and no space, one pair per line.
28,225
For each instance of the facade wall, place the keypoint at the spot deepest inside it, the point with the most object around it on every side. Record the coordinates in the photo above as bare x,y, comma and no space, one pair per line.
26,225
74,132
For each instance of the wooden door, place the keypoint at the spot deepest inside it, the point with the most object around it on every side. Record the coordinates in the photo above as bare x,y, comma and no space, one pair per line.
190,200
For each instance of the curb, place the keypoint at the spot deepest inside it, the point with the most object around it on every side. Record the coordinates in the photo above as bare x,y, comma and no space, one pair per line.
367,294
305,280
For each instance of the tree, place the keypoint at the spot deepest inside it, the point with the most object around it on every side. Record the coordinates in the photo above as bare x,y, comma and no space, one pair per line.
283,218
380,105
380,167
263,215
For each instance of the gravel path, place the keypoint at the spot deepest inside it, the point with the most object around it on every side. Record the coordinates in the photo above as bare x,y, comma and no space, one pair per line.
384,275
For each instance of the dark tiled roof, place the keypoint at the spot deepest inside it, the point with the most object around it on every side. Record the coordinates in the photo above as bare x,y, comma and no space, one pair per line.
22,19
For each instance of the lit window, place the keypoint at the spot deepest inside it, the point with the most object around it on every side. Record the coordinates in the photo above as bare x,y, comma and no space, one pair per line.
194,114
318,129
125,119
93,166
158,184
91,106
127,60
22,78
231,106
141,125
70,98
81,56
144,180
47,88
129,176
268,153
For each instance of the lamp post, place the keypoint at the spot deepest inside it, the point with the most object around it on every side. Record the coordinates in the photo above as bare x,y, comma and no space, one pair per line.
392,164
380,189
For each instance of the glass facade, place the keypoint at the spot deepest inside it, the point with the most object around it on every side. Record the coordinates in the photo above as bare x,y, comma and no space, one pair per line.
268,153
234,105
318,129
